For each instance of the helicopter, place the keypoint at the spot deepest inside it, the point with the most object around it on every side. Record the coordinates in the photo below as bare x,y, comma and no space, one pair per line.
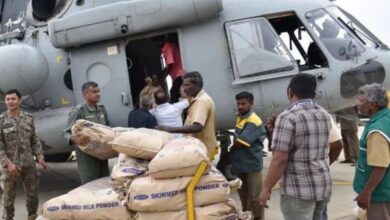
49,48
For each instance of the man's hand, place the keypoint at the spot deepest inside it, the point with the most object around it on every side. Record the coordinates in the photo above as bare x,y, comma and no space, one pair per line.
44,165
363,200
13,170
265,195
162,128
80,139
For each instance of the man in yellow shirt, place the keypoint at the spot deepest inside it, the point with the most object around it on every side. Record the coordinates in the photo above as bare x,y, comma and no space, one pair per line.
200,122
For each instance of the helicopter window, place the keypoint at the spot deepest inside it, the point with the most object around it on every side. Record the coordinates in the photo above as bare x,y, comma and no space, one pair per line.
340,43
357,29
256,49
293,33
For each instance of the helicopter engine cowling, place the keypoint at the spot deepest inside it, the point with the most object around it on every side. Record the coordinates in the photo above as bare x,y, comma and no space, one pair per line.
127,18
22,67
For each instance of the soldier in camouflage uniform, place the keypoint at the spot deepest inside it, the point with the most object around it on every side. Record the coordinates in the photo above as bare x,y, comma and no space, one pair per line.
90,168
18,146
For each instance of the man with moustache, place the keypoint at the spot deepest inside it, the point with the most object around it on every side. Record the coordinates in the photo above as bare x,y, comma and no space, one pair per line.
90,167
200,121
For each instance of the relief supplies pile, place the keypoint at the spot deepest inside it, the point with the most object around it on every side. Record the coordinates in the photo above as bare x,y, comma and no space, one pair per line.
149,181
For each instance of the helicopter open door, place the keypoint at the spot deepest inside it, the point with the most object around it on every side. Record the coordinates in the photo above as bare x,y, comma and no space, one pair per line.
104,63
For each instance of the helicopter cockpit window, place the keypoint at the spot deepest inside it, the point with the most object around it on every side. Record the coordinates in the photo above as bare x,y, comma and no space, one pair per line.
356,28
255,48
337,40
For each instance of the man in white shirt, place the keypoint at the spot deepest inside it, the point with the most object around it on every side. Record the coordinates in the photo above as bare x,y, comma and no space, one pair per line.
168,114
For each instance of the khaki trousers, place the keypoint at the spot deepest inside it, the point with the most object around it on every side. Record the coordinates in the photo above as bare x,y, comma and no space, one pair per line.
351,144
250,192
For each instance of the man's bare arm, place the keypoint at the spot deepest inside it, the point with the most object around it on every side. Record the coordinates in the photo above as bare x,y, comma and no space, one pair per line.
335,150
276,169
364,198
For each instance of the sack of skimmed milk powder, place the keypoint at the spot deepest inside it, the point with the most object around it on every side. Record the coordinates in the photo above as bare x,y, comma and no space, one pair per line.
127,168
218,211
149,194
87,203
140,143
99,135
94,185
41,218
187,153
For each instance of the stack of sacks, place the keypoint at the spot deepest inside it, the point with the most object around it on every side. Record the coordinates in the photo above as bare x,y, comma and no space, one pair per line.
99,135
87,203
162,194
140,143
136,148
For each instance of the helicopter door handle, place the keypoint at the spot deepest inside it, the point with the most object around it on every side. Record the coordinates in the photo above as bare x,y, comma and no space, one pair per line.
125,98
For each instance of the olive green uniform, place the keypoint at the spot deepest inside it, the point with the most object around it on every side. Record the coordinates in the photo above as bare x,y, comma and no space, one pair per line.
349,132
19,144
90,168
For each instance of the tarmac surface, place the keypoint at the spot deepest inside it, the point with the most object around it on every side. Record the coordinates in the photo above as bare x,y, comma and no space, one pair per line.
64,177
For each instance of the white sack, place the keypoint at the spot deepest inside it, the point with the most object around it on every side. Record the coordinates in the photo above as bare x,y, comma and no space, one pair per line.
127,168
218,211
140,143
94,185
149,194
99,135
86,205
187,153
41,218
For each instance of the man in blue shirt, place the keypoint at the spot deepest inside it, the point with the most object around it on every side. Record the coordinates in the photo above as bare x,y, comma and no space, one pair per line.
141,117
246,154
